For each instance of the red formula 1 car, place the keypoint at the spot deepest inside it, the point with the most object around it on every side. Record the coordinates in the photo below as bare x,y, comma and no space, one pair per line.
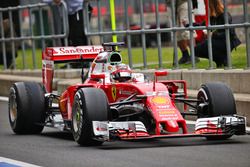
113,103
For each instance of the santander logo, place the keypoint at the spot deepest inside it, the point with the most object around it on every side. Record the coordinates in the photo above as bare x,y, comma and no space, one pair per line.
77,50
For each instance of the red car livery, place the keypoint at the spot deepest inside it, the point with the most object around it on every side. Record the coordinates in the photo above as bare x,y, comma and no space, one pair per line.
114,103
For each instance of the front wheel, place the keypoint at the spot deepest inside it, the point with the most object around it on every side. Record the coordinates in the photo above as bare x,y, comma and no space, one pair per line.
90,104
219,101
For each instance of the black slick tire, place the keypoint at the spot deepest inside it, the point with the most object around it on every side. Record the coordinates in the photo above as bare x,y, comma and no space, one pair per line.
26,108
220,100
90,104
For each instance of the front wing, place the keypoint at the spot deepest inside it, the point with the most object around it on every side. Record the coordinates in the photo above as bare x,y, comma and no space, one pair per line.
204,127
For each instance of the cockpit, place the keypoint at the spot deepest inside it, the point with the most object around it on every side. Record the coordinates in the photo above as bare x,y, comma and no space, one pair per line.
110,63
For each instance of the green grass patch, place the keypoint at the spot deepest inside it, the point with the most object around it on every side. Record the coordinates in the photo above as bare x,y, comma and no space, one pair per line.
31,62
239,59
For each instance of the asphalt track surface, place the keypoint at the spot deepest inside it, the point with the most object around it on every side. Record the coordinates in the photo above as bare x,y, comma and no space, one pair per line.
58,149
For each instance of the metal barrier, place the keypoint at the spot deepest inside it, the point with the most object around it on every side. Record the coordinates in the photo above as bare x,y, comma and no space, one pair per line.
125,31
34,24
173,29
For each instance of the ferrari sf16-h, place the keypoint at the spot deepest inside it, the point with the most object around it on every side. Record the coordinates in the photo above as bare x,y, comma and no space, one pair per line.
114,103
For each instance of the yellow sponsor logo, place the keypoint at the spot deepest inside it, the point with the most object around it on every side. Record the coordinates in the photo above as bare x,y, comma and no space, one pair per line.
160,100
166,112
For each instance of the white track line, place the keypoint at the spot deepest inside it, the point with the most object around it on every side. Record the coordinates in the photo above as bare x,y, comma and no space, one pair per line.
4,98
10,162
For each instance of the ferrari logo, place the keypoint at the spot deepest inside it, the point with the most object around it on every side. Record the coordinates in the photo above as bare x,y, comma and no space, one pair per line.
113,91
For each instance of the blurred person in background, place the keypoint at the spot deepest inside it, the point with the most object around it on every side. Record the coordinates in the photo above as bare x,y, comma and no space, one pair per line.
183,37
219,48
7,30
77,35
75,17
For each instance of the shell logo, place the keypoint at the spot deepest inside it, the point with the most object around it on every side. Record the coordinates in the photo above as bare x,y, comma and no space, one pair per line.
160,100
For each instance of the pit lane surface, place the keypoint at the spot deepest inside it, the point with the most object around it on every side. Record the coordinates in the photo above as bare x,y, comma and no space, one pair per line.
57,149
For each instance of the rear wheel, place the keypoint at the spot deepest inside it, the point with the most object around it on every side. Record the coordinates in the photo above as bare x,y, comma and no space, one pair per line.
90,104
219,101
27,108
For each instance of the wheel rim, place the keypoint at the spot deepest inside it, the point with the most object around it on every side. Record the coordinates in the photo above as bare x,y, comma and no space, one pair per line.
13,107
203,98
77,118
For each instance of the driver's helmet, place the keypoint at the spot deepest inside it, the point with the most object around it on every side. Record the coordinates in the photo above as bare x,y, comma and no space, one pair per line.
121,73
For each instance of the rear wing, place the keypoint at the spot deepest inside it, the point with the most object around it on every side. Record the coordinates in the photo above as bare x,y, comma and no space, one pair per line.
71,54
52,55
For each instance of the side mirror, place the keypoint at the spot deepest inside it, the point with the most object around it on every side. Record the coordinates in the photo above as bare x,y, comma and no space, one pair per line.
161,73
158,74
97,76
